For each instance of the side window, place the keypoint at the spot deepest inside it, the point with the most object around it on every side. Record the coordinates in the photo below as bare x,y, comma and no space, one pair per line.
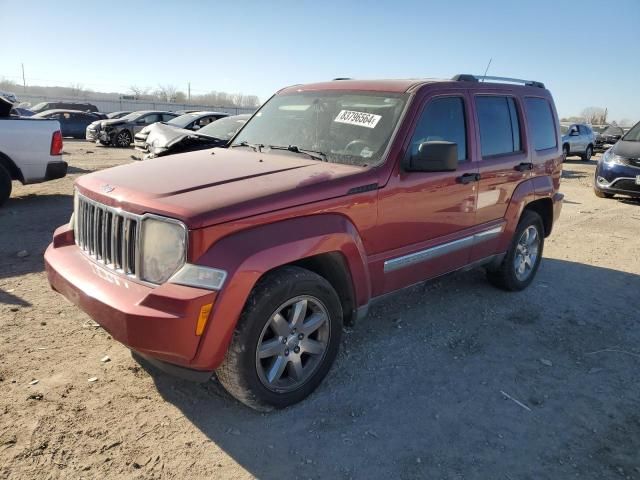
499,125
166,117
152,118
542,128
442,119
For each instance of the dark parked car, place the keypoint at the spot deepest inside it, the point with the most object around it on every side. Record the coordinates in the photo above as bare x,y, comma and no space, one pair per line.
73,123
119,132
164,140
93,128
82,106
189,121
607,136
618,171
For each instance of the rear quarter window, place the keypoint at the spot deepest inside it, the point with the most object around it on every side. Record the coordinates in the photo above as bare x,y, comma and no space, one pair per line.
542,129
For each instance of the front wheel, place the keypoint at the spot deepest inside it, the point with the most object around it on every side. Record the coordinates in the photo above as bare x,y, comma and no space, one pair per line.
565,152
588,153
285,342
521,262
123,139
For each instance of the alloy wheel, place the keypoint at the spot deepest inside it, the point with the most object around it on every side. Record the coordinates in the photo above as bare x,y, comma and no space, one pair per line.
123,139
526,253
293,344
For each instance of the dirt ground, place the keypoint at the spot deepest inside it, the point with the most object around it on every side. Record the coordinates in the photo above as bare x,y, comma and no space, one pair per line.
448,381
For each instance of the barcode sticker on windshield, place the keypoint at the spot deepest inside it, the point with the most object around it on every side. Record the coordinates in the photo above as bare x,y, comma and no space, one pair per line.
360,119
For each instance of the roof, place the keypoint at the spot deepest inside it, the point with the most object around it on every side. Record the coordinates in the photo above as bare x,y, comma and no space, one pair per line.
65,110
409,84
396,86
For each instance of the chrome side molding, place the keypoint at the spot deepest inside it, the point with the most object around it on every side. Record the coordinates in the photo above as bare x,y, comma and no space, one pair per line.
440,250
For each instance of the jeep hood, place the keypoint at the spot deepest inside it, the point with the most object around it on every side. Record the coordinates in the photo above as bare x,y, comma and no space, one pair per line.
208,187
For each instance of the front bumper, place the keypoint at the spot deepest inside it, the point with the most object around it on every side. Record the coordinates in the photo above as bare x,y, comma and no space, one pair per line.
616,178
91,134
159,322
55,170
105,136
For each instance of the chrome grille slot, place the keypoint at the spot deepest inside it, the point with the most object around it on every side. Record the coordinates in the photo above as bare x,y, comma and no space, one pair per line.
108,235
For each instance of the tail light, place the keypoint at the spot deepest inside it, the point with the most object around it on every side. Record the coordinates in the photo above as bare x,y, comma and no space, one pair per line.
56,143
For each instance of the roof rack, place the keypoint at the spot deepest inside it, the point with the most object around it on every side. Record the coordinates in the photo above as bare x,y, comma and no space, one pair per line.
466,77
342,78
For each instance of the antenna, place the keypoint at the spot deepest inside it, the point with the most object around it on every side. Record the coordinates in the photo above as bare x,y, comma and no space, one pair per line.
487,69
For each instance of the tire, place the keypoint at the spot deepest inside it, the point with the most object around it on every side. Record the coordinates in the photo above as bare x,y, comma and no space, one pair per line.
253,377
5,185
507,276
588,153
565,152
122,139
601,194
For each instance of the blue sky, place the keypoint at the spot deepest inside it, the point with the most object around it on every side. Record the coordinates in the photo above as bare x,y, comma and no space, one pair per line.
584,51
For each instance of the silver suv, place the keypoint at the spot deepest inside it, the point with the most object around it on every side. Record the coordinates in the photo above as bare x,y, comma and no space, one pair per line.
577,139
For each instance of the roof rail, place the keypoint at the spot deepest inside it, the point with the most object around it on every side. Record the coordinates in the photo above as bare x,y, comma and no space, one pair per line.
342,78
466,77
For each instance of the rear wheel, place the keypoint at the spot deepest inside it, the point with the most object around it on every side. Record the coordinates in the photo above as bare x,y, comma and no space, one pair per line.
5,185
122,139
565,152
521,262
588,153
285,342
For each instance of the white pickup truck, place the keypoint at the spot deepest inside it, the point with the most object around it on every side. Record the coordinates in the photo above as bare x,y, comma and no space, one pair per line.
30,150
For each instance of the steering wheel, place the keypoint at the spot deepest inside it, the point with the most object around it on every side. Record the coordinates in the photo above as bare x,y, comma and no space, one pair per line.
354,143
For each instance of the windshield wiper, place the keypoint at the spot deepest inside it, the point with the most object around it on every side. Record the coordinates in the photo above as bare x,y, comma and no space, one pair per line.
256,148
316,155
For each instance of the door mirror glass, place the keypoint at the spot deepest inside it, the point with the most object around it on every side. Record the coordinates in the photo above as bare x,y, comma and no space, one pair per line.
434,156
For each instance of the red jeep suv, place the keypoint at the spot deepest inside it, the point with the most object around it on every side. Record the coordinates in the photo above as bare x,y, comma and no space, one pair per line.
247,260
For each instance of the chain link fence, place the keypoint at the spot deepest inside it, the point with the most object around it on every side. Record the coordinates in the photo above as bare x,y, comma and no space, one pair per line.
116,105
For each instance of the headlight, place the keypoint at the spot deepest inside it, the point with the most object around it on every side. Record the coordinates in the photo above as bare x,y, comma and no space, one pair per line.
164,245
612,158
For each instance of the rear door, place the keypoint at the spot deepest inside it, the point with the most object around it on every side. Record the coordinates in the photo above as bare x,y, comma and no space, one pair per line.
504,163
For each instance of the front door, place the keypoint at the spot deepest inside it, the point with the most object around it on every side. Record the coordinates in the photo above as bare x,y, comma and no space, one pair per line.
425,216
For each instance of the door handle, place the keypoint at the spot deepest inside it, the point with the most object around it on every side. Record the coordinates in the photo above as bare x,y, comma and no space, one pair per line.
523,167
468,178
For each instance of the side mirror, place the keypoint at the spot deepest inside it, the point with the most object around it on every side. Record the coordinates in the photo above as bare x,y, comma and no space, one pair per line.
141,121
437,156
574,132
195,127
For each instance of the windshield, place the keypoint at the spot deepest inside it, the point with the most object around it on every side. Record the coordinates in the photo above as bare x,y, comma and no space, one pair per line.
564,129
598,128
183,120
346,127
133,116
633,135
612,130
225,128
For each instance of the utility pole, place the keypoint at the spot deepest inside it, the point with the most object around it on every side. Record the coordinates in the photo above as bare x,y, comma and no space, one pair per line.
189,90
24,82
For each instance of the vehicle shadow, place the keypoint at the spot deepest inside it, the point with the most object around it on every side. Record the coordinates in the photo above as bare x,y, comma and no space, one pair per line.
45,214
10,299
72,170
416,389
574,174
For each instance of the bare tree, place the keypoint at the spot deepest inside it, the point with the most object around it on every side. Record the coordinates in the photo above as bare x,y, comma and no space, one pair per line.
76,89
139,92
166,93
595,115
